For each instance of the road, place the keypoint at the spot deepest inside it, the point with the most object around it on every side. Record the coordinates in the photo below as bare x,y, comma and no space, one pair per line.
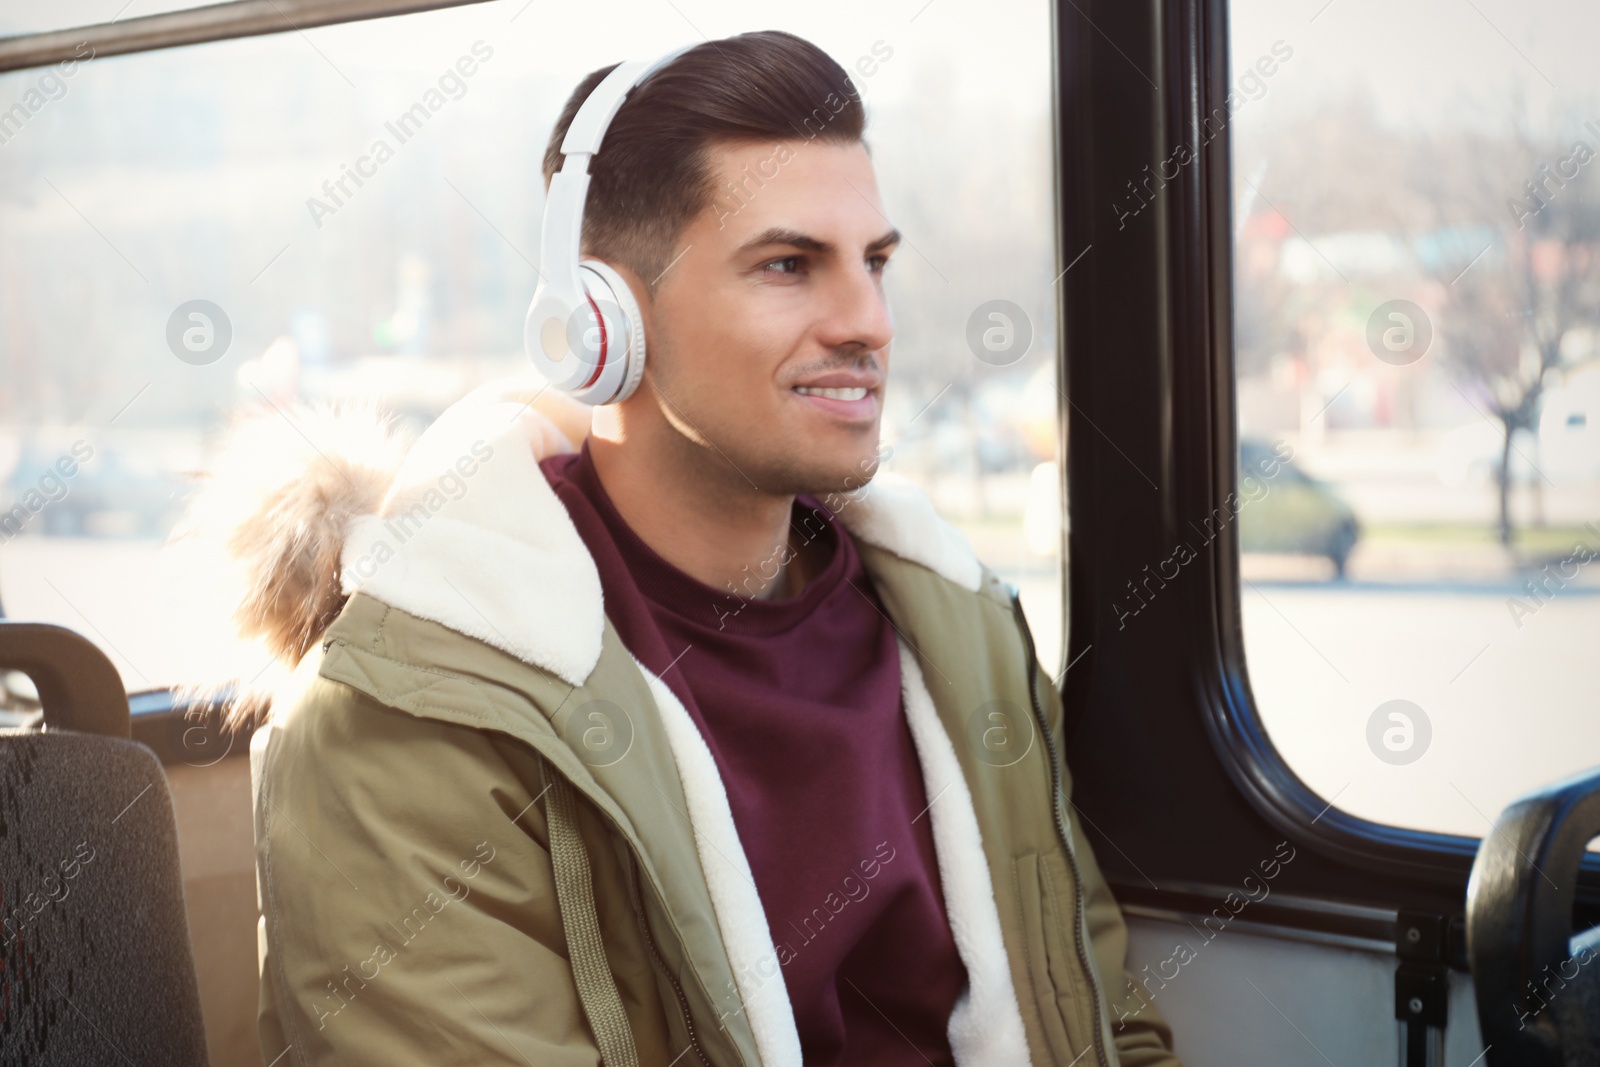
1510,707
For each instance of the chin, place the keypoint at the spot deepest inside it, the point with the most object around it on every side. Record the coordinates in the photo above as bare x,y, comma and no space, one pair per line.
844,475
807,468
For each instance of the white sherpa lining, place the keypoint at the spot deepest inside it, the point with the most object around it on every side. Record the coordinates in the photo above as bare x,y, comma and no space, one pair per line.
893,513
482,527
463,538
986,1025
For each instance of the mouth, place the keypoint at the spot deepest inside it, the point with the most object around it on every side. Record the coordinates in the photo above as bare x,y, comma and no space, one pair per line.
854,403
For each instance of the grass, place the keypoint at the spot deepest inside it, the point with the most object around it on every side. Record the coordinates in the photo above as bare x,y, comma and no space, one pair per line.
1526,538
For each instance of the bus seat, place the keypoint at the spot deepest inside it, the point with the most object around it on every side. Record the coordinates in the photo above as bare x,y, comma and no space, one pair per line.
95,959
1538,1000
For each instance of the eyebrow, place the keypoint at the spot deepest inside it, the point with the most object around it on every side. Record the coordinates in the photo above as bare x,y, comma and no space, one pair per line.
779,235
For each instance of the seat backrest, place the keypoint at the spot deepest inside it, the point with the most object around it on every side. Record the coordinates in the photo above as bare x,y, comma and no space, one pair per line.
96,965
1537,984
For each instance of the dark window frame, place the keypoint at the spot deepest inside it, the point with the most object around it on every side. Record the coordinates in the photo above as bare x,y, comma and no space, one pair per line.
1185,788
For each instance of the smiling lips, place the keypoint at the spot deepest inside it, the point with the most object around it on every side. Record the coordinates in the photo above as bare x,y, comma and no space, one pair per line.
854,403
849,394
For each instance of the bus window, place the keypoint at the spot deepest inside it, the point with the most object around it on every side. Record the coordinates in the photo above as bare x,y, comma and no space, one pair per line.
352,212
1418,390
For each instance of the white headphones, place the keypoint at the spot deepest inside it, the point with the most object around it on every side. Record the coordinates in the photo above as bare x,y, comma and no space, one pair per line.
583,330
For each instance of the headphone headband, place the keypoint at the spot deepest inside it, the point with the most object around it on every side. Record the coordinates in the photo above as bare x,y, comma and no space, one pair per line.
601,106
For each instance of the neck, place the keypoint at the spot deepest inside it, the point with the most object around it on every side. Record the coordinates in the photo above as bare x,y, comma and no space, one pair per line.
698,512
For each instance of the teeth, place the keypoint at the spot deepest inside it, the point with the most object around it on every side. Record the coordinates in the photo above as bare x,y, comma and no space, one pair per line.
856,393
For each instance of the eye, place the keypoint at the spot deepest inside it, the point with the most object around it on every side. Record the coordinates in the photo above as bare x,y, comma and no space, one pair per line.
880,262
793,261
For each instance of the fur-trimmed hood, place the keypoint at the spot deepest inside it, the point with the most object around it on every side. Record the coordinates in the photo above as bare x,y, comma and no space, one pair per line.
304,505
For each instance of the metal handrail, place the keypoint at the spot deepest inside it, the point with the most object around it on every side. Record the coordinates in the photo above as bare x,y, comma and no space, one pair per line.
197,25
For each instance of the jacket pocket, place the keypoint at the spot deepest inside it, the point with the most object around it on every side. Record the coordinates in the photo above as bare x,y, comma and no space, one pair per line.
1048,909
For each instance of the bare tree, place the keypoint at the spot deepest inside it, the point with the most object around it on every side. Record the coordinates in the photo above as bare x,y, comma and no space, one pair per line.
1510,315
1504,221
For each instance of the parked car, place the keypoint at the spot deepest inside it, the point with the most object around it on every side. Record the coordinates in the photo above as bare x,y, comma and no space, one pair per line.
1297,514
111,495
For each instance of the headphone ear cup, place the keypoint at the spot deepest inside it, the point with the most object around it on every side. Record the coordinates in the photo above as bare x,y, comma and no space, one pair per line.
615,300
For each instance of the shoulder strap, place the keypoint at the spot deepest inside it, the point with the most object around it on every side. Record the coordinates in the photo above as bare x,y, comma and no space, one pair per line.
575,897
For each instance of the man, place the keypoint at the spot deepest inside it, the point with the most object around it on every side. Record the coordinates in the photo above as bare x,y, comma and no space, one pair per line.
698,743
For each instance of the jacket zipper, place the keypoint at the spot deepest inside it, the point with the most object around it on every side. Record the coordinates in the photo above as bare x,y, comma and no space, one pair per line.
1061,826
644,927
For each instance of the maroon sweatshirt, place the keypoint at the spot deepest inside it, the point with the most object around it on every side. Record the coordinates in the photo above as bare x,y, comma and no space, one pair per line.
799,702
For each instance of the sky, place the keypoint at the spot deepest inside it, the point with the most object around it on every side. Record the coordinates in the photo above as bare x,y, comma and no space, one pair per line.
1425,61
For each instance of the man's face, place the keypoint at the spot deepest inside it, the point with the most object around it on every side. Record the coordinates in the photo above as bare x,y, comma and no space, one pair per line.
770,336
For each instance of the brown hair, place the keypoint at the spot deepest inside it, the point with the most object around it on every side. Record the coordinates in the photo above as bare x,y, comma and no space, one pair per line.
652,175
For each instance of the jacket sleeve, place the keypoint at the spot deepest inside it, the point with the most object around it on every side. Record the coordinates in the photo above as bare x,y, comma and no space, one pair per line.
408,905
1141,1034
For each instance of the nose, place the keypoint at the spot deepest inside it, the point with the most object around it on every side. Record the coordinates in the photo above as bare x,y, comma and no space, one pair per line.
858,312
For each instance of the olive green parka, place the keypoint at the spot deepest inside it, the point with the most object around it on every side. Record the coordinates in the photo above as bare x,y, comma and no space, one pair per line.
485,834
